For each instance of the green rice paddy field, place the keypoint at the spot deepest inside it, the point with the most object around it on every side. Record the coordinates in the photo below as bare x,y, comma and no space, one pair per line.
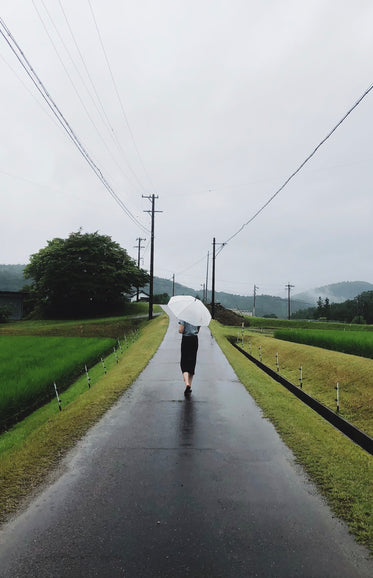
29,365
352,342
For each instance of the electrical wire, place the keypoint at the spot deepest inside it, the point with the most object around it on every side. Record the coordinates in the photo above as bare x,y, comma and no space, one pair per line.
119,97
26,65
99,107
39,103
366,92
77,92
191,266
350,110
49,187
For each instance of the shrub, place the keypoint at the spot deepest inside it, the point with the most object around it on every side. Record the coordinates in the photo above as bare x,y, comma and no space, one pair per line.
5,313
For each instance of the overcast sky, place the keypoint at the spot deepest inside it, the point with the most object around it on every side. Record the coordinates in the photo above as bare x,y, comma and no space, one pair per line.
209,104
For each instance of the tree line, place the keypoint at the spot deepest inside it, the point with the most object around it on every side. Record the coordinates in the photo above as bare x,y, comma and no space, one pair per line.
357,310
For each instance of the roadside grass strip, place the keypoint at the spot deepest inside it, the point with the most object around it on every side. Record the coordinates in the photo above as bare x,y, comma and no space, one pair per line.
342,470
32,448
322,369
352,342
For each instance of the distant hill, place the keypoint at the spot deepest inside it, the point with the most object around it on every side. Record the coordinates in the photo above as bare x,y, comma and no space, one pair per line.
11,277
264,304
336,293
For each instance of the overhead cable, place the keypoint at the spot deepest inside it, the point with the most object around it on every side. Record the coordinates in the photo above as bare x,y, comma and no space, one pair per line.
119,97
222,245
77,92
17,51
301,165
98,105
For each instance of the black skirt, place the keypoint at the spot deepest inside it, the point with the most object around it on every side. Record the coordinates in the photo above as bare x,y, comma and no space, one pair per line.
189,348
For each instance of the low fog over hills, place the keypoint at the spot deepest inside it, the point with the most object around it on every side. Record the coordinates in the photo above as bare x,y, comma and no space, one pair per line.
336,293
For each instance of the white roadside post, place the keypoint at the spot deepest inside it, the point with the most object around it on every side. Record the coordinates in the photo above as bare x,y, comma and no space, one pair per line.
58,399
88,379
337,398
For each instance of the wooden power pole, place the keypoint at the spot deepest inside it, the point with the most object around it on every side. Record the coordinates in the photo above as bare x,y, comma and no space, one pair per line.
151,282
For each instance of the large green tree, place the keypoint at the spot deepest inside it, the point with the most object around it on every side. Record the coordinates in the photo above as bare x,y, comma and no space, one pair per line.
85,274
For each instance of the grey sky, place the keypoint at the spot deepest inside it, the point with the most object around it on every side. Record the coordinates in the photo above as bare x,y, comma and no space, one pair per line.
224,100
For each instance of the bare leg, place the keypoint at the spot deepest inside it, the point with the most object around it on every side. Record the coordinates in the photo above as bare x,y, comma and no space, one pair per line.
187,378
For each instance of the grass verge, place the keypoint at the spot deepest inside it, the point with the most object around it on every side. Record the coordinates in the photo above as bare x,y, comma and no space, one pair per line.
322,369
30,450
342,471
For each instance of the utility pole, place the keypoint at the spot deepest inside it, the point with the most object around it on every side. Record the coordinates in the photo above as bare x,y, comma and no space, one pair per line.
139,239
255,288
213,280
207,274
151,283
213,276
173,284
203,292
289,287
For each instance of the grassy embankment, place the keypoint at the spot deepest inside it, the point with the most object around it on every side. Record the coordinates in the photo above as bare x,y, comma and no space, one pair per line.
33,447
342,470
321,370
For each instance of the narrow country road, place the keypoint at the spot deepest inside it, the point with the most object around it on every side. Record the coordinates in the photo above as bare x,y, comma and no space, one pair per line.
168,487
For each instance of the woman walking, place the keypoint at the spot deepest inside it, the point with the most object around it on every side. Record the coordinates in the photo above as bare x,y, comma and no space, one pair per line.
189,348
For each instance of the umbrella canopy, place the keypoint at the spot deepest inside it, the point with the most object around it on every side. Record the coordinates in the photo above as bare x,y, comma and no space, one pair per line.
189,309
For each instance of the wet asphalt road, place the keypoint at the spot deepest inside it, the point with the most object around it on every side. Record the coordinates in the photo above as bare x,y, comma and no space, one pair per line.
164,486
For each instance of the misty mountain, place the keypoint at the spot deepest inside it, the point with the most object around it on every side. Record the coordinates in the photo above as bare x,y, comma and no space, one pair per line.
264,304
11,279
336,292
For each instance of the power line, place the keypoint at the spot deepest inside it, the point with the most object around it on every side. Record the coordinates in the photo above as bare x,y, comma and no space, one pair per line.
191,266
301,165
366,92
101,110
77,92
119,97
26,65
39,103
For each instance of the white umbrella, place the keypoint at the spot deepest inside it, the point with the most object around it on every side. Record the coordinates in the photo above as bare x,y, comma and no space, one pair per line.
189,309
